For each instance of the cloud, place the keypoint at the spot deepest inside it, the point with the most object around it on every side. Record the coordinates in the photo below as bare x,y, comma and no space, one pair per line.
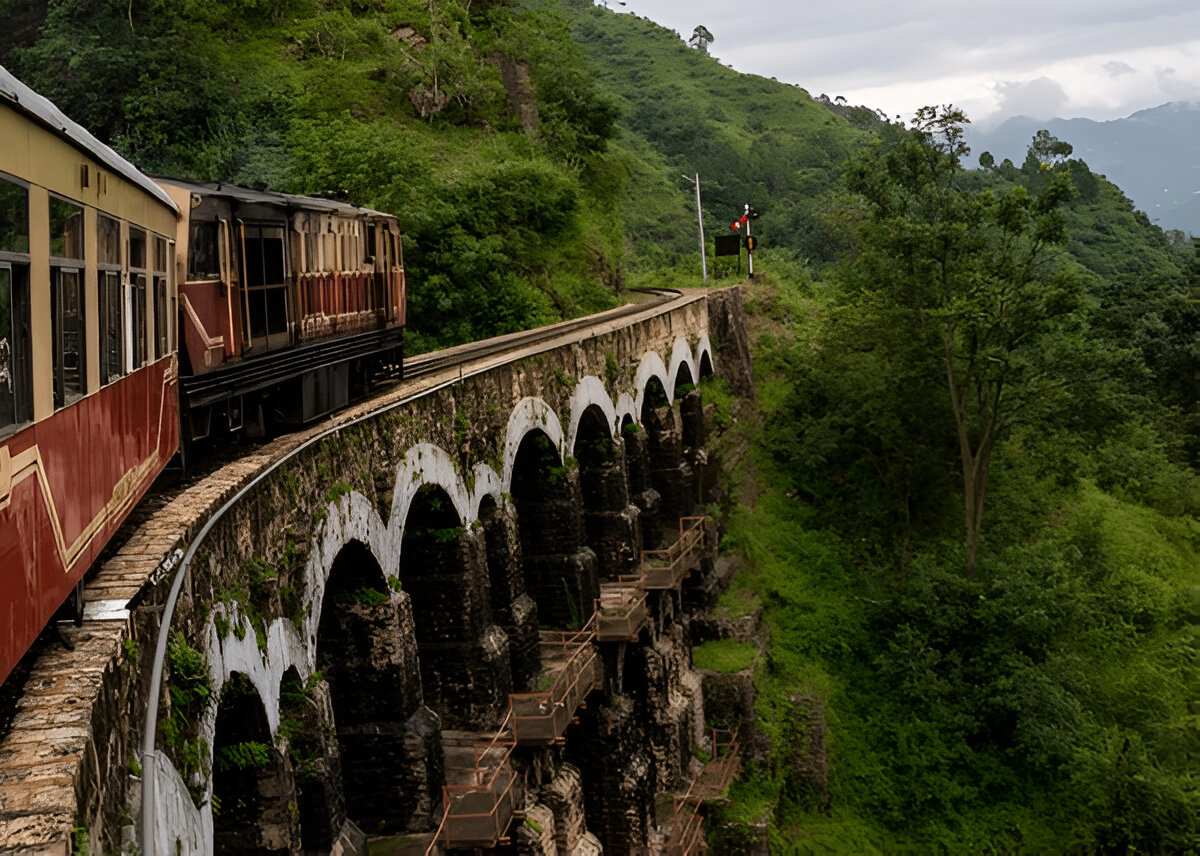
1093,58
1040,98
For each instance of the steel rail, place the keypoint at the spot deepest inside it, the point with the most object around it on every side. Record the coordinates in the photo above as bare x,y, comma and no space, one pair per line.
150,728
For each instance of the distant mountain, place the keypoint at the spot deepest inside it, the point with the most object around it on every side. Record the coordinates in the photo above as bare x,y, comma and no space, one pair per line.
1151,155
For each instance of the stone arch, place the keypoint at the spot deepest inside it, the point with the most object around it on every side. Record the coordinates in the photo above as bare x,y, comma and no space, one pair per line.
427,464
513,609
237,652
559,573
389,743
651,366
590,393
352,519
463,656
691,412
627,409
681,356
252,780
489,486
610,522
704,357
666,470
683,379
530,414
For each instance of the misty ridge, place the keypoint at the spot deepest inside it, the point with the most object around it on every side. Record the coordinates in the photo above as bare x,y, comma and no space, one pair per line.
1151,155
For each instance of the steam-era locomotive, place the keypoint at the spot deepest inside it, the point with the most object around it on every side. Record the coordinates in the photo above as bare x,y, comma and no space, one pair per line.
138,316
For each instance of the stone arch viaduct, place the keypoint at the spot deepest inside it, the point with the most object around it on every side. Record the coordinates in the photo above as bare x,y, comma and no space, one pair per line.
455,618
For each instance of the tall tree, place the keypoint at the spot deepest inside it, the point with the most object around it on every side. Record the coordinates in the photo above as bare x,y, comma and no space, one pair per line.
1049,149
701,38
974,275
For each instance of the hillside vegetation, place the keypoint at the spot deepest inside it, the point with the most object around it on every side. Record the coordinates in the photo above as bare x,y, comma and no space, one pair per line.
401,104
1041,700
974,535
752,140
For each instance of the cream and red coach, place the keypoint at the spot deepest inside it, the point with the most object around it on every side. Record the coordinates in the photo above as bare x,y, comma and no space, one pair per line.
88,373
289,305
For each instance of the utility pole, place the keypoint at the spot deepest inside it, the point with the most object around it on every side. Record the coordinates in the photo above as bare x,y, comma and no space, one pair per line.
700,219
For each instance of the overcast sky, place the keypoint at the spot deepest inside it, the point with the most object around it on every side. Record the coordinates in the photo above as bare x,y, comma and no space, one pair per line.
994,58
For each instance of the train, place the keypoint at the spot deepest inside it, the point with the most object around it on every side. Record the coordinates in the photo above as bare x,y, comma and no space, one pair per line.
143,318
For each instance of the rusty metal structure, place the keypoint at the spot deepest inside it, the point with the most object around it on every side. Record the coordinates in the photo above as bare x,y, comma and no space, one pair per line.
482,792
666,568
621,610
571,669
714,778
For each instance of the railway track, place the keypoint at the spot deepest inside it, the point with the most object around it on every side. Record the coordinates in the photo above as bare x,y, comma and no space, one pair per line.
424,364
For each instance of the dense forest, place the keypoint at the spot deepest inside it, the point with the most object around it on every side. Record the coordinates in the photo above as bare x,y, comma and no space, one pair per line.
968,516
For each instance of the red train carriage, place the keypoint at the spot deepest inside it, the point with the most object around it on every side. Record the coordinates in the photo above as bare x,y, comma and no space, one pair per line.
88,373
288,305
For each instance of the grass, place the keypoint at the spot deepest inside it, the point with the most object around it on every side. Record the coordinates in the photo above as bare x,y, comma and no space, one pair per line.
737,603
724,655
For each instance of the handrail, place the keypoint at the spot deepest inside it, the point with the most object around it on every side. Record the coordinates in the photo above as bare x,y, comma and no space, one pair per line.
712,779
481,749
437,834
686,827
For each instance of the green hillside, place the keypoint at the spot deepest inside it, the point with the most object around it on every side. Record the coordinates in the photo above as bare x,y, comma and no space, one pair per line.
402,104
752,140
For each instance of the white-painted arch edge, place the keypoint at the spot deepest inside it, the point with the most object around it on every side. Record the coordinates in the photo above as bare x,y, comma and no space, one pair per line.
355,518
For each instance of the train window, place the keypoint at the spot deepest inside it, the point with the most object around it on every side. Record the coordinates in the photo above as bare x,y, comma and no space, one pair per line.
108,241
112,328
66,229
311,263
264,255
16,349
137,249
136,319
266,292
161,343
16,387
203,260
160,254
14,217
68,347
136,328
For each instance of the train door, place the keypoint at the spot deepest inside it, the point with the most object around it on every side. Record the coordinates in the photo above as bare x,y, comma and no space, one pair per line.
233,290
265,288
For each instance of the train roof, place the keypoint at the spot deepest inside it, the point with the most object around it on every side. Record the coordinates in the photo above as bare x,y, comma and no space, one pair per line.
39,108
271,197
